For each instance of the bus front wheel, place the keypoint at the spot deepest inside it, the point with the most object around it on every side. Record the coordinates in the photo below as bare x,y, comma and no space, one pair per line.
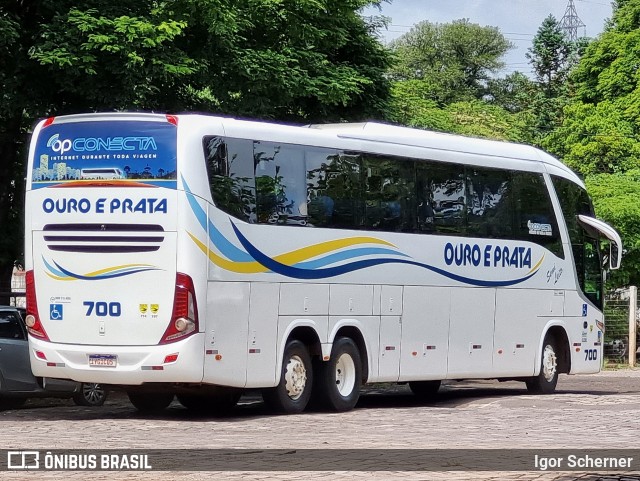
340,377
293,392
546,381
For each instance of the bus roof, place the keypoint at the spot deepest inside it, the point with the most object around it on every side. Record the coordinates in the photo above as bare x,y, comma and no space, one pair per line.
375,132
386,133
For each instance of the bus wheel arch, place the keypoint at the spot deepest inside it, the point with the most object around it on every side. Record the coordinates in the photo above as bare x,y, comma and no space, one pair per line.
564,349
554,359
293,391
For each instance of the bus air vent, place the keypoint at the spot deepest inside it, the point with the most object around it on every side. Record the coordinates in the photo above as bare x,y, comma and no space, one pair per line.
104,238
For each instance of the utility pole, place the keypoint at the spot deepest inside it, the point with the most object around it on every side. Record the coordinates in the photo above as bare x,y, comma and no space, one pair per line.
571,22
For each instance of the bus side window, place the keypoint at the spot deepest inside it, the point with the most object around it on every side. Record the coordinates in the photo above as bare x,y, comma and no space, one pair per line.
320,204
230,169
425,218
390,193
535,217
216,156
345,188
489,203
574,201
281,189
447,189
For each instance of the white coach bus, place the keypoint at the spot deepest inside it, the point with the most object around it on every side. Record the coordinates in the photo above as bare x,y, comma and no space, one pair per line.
304,261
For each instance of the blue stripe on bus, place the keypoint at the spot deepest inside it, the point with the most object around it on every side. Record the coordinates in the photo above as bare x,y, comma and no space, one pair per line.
225,247
298,273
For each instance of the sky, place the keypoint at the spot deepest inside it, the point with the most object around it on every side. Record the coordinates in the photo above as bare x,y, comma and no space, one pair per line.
518,20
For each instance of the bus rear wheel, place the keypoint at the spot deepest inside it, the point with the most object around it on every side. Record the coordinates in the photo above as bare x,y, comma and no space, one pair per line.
148,402
293,392
339,378
546,381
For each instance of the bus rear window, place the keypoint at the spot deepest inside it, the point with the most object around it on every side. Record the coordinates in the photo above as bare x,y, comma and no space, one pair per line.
79,153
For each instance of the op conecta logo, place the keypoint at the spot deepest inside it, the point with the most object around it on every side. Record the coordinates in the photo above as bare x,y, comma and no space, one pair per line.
93,144
57,145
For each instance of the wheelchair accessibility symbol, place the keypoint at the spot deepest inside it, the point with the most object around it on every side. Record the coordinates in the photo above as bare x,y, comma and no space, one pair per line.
55,312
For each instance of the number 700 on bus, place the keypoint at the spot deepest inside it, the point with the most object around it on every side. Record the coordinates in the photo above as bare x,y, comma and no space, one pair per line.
103,309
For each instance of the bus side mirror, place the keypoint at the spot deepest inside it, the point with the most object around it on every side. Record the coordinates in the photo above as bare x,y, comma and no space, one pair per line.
597,228
614,256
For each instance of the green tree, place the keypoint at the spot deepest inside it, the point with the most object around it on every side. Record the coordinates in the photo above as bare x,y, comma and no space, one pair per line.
617,200
513,92
413,106
477,118
595,139
296,60
599,134
550,56
609,67
455,60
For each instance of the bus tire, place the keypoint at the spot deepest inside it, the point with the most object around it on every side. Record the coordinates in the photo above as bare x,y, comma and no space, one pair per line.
293,392
340,377
147,402
425,389
546,381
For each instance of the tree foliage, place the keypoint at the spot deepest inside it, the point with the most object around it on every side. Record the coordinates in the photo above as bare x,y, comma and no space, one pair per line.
513,92
595,139
617,200
549,56
552,56
294,60
412,106
599,134
454,59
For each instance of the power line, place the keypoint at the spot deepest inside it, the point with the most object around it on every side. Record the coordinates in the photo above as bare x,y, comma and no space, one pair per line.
595,3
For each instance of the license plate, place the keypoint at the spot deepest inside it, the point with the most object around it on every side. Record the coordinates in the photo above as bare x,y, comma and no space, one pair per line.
103,360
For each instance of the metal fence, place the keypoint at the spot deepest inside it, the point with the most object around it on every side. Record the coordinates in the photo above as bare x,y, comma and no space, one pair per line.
621,319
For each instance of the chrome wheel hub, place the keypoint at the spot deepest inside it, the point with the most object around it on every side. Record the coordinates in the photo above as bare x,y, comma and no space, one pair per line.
345,375
295,376
549,363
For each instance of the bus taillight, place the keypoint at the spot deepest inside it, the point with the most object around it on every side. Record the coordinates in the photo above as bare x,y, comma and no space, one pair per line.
48,122
32,319
184,320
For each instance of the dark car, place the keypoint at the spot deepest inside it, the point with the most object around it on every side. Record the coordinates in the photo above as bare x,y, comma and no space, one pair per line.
17,382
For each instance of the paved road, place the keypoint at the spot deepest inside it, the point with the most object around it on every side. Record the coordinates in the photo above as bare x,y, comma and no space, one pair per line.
590,412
